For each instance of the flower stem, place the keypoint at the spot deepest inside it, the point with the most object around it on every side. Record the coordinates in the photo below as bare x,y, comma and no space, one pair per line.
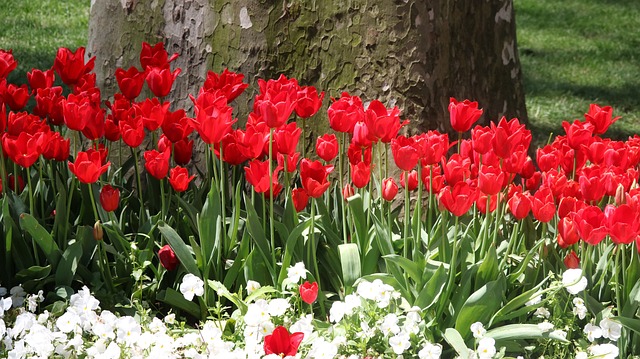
405,249
271,223
340,177
139,183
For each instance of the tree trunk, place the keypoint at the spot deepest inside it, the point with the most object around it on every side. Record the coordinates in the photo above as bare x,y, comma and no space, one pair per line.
414,54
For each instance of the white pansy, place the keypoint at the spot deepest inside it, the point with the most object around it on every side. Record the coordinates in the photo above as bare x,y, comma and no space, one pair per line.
581,355
17,296
191,286
337,311
478,330
400,342
3,291
322,349
278,307
430,351
579,309
604,351
127,330
170,318
257,312
592,332
3,329
303,325
389,325
366,290
294,273
610,329
534,301
352,302
558,333
545,326
68,322
252,286
5,304
33,300
486,348
22,324
542,312
574,281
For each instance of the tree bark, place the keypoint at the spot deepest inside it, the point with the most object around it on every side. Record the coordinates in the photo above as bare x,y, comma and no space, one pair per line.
414,54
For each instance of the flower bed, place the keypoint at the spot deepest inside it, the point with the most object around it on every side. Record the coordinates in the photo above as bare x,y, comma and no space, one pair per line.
478,252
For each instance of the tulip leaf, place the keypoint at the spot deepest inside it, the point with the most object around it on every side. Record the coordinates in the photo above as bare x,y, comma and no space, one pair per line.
432,289
480,305
295,237
222,291
356,208
488,270
176,299
68,265
243,251
180,248
632,305
457,343
520,331
254,225
42,238
411,268
33,273
629,323
350,263
507,311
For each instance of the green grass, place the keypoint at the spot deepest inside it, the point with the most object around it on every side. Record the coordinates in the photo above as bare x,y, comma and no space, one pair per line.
35,29
573,53
577,52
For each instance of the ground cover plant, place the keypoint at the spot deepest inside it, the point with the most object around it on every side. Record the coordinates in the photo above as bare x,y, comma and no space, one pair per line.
471,248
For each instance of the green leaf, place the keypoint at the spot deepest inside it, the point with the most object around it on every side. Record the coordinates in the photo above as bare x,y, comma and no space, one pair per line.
481,305
180,248
222,291
209,223
507,311
433,289
488,270
254,225
259,293
629,323
520,331
411,268
356,208
457,343
350,263
68,265
632,305
33,273
176,300
295,237
42,238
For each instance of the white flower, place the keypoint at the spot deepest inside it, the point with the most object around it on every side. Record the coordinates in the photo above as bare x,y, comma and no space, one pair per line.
257,313
33,300
574,281
3,329
400,342
579,309
278,306
303,325
337,312
3,291
191,285
581,355
592,332
170,318
478,330
534,301
389,325
17,296
294,273
545,326
486,348
128,330
252,286
430,351
5,304
321,349
366,290
68,322
604,351
558,333
610,329
542,312
157,326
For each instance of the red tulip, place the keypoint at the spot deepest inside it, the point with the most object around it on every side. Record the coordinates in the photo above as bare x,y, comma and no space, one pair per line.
291,162
389,189
591,184
432,146
458,199
88,166
358,154
571,261
228,83
622,223
77,110
412,183
308,292
281,343
160,80
70,66
490,180
130,82
109,198
578,133
567,232
24,149
94,127
481,202
257,174
39,79
600,118
56,148
345,112
275,107
300,199
520,205
327,147
457,169
132,130
168,258
383,124
542,205
286,138
348,191
213,117
176,125
432,176
7,63
481,137
183,151
591,225
49,104
157,163
313,176
179,178
152,112
360,174
509,135
155,56
361,135
308,102
405,152
14,96
463,114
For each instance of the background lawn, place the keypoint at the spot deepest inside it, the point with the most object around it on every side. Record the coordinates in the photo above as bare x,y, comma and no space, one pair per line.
573,53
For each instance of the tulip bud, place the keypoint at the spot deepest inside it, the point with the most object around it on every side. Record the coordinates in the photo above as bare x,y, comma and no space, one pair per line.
620,195
389,189
97,231
168,258
347,191
571,261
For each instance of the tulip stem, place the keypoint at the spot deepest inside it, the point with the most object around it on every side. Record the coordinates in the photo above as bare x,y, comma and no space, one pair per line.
41,185
223,194
271,224
93,203
69,200
405,249
304,148
3,173
162,201
35,249
313,248
104,263
139,182
340,177
431,204
452,271
418,219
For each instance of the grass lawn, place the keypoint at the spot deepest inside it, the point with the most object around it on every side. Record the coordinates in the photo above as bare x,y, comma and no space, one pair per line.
577,52
573,53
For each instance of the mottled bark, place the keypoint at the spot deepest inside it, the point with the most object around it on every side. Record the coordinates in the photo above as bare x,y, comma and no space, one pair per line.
411,53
